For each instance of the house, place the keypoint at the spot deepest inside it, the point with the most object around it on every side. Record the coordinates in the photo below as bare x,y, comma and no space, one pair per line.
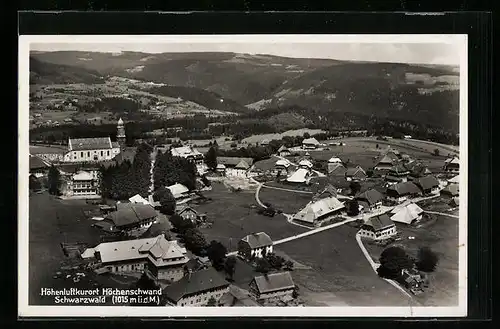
38,166
283,151
334,159
237,297
300,176
398,173
282,166
189,213
179,191
306,164
355,174
378,228
255,245
452,165
451,190
264,142
454,180
138,199
130,219
370,199
137,255
386,162
336,169
91,150
191,154
230,164
318,210
83,183
402,191
221,169
406,213
411,279
272,287
428,184
196,288
310,143
166,260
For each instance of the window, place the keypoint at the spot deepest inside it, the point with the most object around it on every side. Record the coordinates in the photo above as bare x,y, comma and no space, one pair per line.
108,152
88,153
81,154
102,153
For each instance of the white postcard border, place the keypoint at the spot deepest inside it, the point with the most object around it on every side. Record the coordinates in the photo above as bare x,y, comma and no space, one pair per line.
26,310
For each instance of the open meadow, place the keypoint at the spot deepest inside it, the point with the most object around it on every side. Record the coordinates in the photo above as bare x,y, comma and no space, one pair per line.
339,268
441,235
234,216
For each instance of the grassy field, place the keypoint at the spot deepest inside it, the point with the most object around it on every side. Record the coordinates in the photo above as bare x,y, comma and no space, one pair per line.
37,149
339,269
296,132
51,222
235,216
441,235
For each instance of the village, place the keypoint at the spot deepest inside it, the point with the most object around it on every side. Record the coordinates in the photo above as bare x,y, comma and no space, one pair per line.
348,221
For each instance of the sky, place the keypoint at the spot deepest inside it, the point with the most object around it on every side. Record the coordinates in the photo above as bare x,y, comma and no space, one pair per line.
417,53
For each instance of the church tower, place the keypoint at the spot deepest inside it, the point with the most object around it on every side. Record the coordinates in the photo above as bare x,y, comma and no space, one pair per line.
120,136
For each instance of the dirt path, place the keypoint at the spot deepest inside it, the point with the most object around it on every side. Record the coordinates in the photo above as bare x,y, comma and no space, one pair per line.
441,213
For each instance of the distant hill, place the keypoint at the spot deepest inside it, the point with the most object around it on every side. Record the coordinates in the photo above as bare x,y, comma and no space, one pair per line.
427,94
48,73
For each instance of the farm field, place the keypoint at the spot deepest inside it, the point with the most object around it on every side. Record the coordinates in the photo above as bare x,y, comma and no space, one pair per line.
339,267
441,235
235,216
38,149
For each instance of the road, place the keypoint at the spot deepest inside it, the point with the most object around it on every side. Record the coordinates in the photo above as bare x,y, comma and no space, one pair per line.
376,265
441,213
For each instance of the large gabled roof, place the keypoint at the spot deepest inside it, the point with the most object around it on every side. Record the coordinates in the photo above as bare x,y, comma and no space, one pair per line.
258,240
274,282
404,188
371,196
379,222
131,213
84,144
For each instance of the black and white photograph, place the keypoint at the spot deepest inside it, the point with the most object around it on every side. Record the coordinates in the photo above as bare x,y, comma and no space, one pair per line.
243,175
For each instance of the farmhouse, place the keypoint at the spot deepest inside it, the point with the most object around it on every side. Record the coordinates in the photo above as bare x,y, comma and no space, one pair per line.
221,169
336,169
452,165
91,149
83,183
282,166
236,297
138,199
334,159
370,200
234,166
130,218
402,191
318,210
310,143
355,174
306,164
197,288
283,151
406,213
452,190
191,154
428,184
255,245
191,214
272,287
397,174
386,162
378,228
300,176
179,191
38,167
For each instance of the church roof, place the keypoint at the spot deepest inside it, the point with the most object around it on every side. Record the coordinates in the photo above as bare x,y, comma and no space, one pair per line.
84,144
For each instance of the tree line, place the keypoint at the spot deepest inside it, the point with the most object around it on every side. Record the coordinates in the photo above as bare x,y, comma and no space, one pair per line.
126,179
169,170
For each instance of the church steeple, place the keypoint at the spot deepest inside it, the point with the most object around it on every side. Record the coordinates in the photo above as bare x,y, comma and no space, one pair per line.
120,136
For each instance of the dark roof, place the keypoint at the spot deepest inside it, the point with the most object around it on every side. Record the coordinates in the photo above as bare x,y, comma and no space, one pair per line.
371,196
37,163
83,144
427,182
195,283
233,161
404,188
258,240
355,172
399,169
380,222
386,159
131,213
336,169
274,282
451,189
282,148
183,208
417,169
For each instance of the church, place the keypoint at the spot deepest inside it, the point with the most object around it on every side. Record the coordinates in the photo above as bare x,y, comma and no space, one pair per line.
96,149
